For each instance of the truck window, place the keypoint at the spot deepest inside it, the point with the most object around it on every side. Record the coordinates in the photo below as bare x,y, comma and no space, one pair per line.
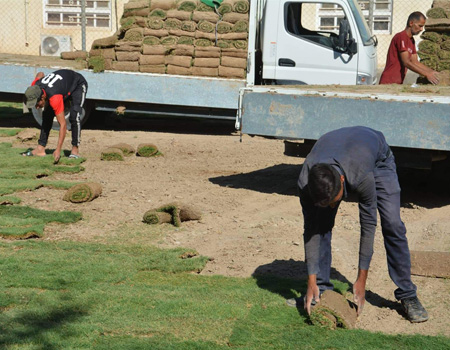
303,22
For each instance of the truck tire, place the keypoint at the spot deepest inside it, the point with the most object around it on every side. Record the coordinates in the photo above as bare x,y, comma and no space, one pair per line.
37,114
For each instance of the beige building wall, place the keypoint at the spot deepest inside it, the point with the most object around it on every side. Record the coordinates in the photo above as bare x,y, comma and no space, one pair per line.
23,24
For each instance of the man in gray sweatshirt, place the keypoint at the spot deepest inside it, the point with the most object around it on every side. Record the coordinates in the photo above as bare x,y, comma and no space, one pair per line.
355,159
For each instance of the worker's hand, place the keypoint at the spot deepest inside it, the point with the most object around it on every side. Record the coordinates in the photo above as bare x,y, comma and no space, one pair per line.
312,293
433,77
359,295
359,290
56,156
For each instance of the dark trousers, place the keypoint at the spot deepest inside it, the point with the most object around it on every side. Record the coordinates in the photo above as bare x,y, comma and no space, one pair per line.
393,229
77,100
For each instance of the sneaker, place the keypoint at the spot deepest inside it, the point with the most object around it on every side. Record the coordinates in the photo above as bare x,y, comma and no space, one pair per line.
414,310
298,302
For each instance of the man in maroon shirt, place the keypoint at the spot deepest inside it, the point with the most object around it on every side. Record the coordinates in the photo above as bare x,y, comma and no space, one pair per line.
50,92
402,54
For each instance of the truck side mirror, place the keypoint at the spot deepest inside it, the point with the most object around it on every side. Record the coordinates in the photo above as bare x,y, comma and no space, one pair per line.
352,47
345,43
344,33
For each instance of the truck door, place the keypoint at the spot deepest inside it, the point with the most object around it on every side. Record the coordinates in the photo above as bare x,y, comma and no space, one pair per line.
306,44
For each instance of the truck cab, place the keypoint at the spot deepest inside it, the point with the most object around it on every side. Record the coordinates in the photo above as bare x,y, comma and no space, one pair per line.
318,42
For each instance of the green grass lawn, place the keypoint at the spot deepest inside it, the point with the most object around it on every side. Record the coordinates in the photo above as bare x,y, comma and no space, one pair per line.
9,132
67,295
19,173
130,295
18,222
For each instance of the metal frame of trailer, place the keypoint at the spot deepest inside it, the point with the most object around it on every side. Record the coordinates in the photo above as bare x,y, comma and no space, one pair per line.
416,126
117,88
409,121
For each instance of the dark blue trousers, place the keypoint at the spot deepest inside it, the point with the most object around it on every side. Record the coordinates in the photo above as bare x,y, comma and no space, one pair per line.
393,229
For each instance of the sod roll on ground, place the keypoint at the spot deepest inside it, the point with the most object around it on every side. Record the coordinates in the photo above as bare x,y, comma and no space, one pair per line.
85,192
147,150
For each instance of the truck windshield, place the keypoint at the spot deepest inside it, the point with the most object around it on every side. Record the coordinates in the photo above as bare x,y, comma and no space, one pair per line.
361,23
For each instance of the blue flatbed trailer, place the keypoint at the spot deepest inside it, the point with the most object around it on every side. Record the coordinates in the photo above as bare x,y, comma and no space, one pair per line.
415,121
158,93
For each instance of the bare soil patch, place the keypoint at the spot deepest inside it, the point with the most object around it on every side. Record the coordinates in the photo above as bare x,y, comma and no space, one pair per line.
251,216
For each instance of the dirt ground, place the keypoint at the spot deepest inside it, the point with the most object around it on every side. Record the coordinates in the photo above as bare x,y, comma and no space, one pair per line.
252,219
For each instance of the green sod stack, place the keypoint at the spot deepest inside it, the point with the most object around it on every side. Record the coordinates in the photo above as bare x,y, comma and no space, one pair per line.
434,48
184,37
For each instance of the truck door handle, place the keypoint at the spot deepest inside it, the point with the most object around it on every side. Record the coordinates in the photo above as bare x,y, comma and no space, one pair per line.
286,62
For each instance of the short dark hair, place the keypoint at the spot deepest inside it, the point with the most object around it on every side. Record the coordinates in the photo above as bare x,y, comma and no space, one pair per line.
415,16
324,183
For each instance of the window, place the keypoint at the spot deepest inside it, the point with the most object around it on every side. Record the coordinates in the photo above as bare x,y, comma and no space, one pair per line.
381,20
67,13
330,16
303,22
382,15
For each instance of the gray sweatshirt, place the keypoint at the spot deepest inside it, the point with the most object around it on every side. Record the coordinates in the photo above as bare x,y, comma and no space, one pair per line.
355,153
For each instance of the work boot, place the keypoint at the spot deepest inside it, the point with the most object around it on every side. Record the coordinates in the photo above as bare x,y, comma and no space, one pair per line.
414,310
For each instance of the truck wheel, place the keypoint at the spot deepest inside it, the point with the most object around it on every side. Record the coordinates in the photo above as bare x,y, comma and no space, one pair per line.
37,114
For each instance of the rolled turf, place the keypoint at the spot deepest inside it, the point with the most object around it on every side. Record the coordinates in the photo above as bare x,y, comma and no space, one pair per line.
127,149
147,150
85,192
153,217
333,311
112,154
173,213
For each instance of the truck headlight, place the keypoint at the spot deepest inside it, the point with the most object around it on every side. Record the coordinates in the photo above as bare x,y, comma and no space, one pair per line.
365,79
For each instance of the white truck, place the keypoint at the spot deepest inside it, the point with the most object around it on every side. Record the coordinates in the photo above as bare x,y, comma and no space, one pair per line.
283,47
286,56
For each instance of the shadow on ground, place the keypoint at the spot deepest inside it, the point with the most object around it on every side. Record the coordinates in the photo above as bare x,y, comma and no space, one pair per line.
31,327
424,188
287,278
280,179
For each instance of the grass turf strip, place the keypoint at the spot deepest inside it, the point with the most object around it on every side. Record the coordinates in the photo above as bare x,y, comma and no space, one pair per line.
19,173
93,296
24,222
9,132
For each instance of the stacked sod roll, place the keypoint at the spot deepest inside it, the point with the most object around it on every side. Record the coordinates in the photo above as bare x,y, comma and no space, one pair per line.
184,37
434,48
